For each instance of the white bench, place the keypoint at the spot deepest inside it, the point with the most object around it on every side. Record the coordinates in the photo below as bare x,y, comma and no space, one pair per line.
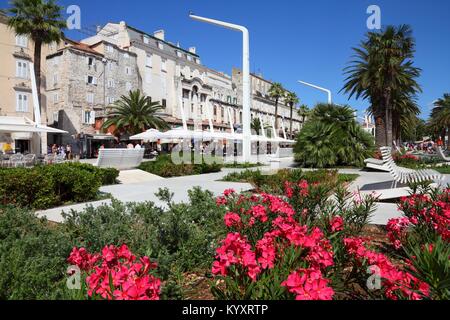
283,153
442,155
121,159
376,164
403,175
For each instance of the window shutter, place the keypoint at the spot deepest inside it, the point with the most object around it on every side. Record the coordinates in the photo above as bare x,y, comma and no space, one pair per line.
92,117
94,80
83,117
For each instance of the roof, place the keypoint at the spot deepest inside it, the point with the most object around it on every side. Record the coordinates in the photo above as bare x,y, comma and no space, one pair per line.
168,43
77,46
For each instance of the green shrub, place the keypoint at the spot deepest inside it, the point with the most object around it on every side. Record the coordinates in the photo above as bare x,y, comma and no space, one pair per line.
44,187
32,256
274,183
331,138
164,167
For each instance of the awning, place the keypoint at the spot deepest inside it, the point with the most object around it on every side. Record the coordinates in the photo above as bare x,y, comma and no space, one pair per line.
23,124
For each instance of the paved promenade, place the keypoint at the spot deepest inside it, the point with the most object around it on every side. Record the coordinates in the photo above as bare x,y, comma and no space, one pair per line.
142,189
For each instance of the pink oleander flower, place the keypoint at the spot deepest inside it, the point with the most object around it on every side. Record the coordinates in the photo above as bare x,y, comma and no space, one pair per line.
337,224
308,284
232,220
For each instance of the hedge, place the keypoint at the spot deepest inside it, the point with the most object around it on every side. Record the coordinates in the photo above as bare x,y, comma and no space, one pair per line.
44,187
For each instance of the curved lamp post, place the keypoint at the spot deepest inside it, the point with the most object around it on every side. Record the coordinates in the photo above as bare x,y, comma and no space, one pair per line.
330,101
246,99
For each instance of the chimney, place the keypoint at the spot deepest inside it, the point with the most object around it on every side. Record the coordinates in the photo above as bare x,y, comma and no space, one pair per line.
159,34
123,25
192,50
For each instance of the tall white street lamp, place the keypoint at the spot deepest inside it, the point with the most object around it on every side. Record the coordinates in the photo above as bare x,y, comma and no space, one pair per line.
246,99
330,101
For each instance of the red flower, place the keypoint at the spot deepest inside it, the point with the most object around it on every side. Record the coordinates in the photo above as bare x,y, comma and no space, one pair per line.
232,220
308,284
337,224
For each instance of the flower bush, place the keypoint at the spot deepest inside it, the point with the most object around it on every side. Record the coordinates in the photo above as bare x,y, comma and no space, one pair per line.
274,248
116,274
308,245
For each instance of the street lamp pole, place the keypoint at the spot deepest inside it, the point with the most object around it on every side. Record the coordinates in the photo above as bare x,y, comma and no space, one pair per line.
330,100
246,99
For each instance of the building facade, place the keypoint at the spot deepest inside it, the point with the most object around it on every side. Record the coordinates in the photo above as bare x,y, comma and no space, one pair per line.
175,77
263,107
16,54
82,81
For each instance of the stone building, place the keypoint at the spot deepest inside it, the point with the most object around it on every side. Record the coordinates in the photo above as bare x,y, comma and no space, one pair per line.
82,81
175,77
263,107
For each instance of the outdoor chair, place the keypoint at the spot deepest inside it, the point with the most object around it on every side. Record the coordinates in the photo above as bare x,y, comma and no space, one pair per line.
404,175
120,159
16,160
29,160
59,159
376,164
442,155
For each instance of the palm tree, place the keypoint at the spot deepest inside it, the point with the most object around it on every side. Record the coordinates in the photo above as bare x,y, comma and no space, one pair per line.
276,92
291,100
303,112
134,114
383,72
42,22
440,116
256,125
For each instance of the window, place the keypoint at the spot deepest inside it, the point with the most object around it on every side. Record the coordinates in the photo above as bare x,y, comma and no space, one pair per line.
215,110
148,76
88,117
179,54
164,65
110,66
55,80
202,97
21,102
189,58
223,113
56,61
90,98
127,70
22,41
234,100
55,98
22,69
164,103
109,48
91,80
197,61
146,40
55,116
229,99
90,61
126,55
148,61
128,86
110,100
160,46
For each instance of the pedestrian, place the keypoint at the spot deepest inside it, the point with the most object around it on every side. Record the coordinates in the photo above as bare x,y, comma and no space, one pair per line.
69,152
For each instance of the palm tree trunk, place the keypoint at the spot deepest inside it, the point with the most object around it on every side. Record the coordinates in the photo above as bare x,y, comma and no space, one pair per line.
380,131
37,69
290,122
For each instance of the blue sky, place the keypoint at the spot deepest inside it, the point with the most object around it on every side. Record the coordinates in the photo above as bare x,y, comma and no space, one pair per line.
290,39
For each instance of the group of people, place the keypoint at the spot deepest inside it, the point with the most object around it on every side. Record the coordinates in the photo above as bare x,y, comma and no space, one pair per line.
428,146
66,152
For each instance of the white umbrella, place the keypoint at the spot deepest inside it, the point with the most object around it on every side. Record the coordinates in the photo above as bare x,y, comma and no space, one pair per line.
149,135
